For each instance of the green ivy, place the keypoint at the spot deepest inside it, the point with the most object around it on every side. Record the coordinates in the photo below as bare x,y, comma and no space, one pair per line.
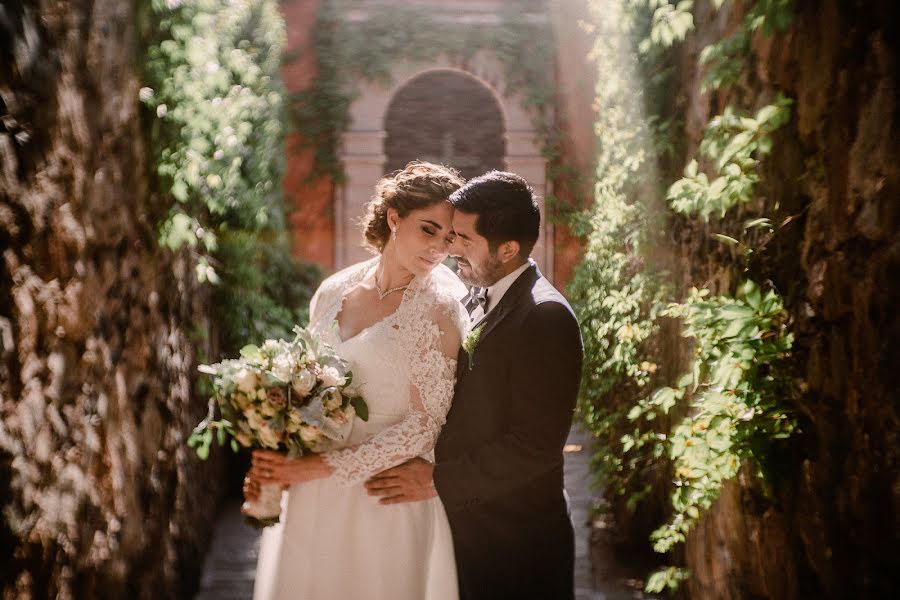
733,142
215,123
737,383
732,406
615,290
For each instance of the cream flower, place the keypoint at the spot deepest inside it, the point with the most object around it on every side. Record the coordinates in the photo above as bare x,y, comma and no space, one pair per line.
332,400
267,437
309,434
254,420
304,382
331,377
246,381
282,367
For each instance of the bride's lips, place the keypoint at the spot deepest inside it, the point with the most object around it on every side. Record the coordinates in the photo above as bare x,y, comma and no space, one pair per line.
430,263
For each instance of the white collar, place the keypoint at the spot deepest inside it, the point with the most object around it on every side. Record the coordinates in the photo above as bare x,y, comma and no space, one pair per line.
496,291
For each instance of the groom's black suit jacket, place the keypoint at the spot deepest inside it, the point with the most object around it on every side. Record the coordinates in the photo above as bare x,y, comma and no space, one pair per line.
499,458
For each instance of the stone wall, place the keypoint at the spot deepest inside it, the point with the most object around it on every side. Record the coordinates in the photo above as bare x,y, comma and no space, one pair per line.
833,182
100,329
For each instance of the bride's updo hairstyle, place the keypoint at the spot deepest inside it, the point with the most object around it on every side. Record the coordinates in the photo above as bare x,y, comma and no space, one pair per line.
418,185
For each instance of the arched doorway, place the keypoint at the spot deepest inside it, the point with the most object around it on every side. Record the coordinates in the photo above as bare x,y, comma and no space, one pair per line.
367,154
446,117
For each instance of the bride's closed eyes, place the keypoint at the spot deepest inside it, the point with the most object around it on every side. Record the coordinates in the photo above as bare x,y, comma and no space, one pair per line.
431,229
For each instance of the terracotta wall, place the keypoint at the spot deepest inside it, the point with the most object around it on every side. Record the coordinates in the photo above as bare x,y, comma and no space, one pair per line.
310,200
575,116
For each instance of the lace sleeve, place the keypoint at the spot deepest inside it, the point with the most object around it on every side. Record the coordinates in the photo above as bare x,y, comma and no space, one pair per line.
430,337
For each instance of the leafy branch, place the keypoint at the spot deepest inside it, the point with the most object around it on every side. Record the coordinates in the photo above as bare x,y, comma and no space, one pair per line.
734,143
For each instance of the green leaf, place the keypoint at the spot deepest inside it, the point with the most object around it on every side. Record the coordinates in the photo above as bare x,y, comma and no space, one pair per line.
251,351
361,408
737,144
726,238
691,169
635,413
761,222
179,191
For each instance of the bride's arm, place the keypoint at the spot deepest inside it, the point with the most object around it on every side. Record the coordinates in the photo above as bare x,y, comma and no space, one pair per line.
431,345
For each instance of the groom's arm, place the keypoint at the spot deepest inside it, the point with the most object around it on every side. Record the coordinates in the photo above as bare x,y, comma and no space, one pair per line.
544,387
407,482
544,383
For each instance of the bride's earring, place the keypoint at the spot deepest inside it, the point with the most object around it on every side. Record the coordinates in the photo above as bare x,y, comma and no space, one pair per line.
394,234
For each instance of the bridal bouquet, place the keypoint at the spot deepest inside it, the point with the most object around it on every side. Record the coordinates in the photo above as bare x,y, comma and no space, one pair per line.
290,396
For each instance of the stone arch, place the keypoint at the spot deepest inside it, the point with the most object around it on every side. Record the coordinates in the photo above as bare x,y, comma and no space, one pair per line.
364,160
445,116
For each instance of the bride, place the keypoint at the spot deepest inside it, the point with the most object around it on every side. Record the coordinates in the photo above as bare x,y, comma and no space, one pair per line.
397,320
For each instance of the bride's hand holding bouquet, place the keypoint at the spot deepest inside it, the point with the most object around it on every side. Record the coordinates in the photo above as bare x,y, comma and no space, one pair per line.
287,400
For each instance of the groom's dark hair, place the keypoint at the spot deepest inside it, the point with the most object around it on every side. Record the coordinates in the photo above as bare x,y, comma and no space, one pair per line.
506,207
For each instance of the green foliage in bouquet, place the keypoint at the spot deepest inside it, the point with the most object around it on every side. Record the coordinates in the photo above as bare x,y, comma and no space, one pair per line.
293,396
215,123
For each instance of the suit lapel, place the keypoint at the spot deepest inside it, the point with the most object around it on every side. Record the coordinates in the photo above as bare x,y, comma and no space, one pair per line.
513,296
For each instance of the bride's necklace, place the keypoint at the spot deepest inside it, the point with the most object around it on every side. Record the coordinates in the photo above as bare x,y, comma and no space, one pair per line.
382,294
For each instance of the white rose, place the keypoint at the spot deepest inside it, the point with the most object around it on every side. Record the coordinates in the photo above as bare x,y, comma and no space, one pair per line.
271,347
246,381
304,382
253,419
268,437
331,377
282,367
309,434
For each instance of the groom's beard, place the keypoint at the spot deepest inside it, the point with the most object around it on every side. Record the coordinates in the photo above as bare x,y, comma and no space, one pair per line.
483,275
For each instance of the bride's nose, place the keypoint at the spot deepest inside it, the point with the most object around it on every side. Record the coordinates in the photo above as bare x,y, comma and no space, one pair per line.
439,246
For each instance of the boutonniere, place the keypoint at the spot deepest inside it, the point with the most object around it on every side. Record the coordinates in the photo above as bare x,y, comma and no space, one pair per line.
471,343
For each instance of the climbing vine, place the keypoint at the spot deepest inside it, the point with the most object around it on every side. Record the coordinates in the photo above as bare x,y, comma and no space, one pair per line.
616,290
729,406
215,121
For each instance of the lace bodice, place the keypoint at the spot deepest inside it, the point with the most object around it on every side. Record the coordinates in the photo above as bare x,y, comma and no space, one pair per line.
399,367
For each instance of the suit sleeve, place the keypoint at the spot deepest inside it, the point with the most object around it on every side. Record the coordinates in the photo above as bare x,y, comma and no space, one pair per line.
544,380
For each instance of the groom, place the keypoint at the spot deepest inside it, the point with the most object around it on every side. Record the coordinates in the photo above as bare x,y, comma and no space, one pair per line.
499,458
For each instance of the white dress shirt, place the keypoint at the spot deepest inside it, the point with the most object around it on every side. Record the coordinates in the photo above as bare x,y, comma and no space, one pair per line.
495,292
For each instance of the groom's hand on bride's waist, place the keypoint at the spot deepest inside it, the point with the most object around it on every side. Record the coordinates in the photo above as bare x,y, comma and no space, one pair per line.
407,482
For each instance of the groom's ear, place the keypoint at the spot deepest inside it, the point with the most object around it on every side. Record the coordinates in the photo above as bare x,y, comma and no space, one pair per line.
508,250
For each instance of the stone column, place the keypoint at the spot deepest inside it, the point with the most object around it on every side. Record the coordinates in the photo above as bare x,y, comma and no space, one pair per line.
523,157
363,158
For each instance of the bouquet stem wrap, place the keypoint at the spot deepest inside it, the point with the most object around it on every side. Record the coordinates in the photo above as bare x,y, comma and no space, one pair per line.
267,506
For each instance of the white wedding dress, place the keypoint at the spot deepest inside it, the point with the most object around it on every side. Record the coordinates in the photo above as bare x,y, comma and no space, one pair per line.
334,541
